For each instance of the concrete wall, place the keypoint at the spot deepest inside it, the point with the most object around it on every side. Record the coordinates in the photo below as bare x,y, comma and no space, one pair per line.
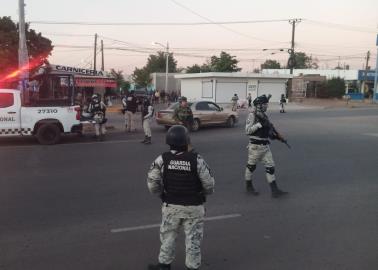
225,88
158,80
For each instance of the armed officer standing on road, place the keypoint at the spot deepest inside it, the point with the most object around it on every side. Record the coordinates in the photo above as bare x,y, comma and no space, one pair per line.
147,114
260,130
97,108
184,114
131,108
182,180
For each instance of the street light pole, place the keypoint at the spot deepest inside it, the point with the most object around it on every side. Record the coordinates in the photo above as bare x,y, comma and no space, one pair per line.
166,69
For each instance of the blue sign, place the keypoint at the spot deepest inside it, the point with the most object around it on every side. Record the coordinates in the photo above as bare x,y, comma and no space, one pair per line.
369,77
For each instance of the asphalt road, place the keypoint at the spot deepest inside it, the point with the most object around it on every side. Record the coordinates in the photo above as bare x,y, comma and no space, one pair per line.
83,205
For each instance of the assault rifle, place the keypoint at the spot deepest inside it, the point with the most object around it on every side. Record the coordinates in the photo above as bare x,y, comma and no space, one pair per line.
273,133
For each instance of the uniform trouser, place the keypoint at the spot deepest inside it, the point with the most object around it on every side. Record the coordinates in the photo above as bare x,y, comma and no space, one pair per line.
131,120
234,105
257,153
192,220
146,127
100,129
282,106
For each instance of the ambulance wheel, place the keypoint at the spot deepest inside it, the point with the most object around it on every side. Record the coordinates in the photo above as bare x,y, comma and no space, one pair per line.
48,134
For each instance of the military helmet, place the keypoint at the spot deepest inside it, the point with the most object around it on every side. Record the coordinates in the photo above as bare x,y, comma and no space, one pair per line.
177,136
261,100
183,99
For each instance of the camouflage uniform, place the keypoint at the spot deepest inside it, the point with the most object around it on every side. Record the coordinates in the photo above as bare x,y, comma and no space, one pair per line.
184,115
191,217
258,152
234,101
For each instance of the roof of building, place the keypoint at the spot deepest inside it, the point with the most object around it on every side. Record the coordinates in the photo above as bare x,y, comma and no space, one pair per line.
232,75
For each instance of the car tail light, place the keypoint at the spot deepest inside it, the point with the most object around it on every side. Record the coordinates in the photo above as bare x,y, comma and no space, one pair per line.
78,113
158,115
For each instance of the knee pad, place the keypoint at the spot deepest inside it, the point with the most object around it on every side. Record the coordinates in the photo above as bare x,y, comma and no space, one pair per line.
251,168
269,170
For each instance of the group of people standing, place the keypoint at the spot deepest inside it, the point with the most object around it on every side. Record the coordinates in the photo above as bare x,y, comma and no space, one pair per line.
130,107
182,179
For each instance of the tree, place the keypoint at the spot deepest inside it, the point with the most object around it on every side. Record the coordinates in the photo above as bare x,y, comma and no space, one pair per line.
304,61
122,84
141,76
270,64
155,63
333,88
193,69
224,63
39,47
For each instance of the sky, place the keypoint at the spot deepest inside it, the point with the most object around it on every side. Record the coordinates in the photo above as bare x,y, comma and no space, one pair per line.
337,32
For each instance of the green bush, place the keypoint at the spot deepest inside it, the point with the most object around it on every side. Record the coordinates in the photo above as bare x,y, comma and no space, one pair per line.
333,88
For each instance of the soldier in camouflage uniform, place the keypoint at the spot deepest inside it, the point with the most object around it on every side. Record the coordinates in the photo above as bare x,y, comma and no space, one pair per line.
182,179
260,130
183,114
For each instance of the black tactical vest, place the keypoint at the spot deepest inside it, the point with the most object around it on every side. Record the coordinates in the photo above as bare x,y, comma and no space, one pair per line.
144,110
261,132
97,107
182,185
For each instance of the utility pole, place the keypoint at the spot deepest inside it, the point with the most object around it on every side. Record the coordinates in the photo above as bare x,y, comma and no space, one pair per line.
292,62
95,53
375,75
366,71
23,57
102,55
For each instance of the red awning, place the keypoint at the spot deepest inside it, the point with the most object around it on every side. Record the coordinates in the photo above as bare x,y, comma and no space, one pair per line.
95,82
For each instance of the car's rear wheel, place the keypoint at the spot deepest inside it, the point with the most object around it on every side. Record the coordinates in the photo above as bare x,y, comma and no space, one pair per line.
167,127
48,134
231,122
196,125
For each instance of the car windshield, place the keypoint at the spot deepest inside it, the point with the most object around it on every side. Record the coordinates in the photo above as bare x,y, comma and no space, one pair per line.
174,106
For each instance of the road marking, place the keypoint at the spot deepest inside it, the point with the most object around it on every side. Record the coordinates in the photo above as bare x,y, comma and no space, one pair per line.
151,226
371,134
99,143
65,144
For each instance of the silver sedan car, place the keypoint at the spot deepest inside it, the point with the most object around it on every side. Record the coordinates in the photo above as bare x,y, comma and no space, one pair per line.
205,113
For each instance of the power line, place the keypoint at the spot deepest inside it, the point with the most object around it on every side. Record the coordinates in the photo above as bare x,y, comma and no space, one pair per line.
343,26
220,25
156,23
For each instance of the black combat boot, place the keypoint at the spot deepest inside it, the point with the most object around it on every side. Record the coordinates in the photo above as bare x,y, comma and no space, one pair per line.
148,141
250,188
145,139
276,192
159,266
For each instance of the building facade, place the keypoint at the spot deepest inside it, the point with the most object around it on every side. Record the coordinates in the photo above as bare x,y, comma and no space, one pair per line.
221,86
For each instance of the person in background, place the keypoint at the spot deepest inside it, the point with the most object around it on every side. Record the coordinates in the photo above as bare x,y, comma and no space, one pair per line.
282,103
147,114
234,101
131,109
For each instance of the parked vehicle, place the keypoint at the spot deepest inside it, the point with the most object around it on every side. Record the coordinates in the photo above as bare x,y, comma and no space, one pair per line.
46,123
205,113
